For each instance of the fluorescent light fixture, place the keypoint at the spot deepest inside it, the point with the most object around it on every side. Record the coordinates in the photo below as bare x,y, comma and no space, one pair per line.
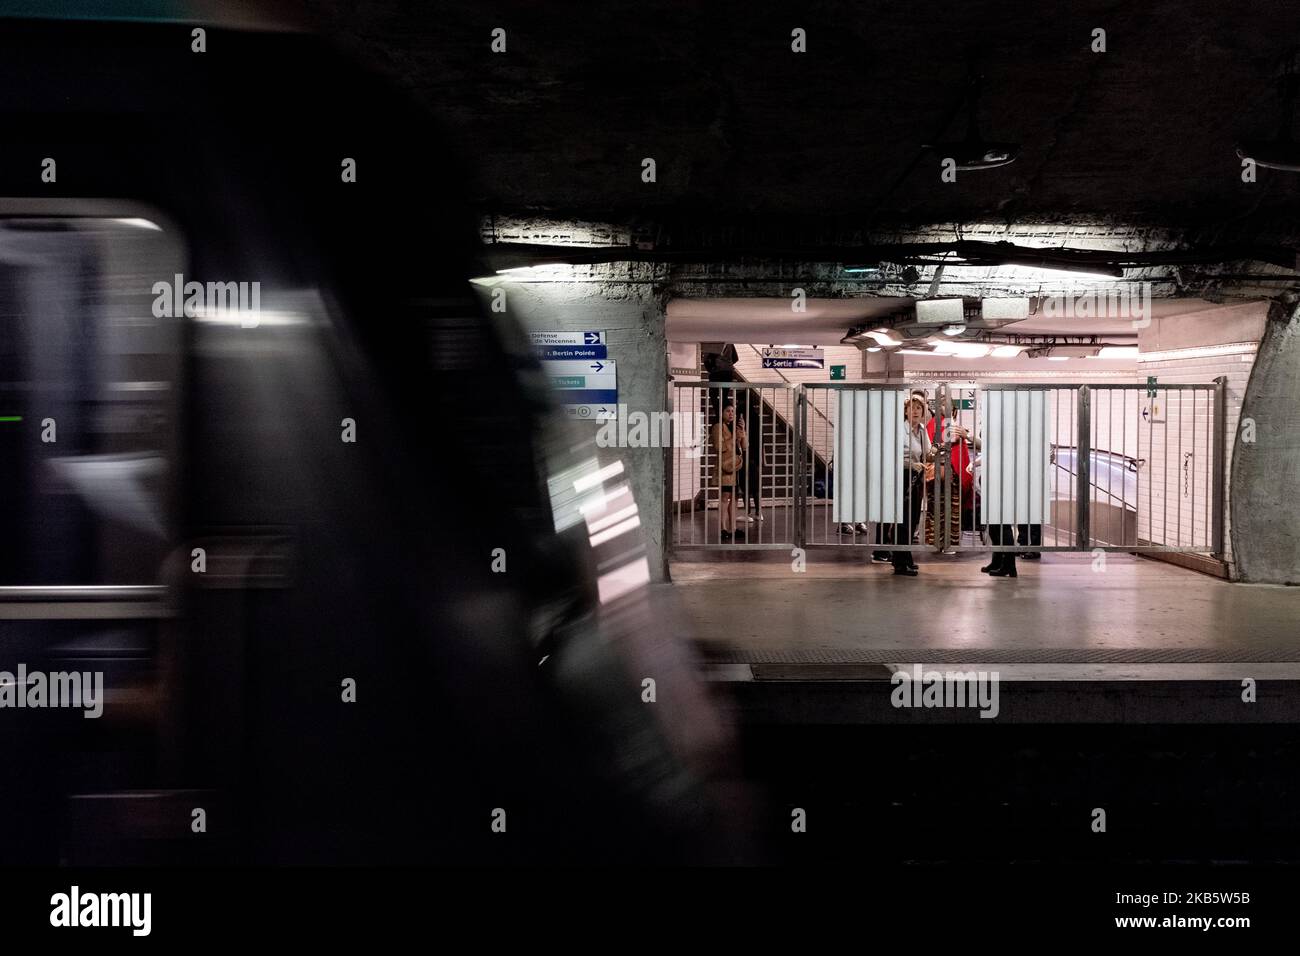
883,338
1042,274
954,330
873,348
1058,358
539,270
1006,351
962,349
914,352
1118,352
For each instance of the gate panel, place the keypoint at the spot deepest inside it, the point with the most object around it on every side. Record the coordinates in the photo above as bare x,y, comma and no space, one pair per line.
1127,467
1015,467
733,462
1024,492
860,493
1156,463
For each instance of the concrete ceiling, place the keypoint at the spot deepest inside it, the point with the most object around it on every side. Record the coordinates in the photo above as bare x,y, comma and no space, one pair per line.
744,131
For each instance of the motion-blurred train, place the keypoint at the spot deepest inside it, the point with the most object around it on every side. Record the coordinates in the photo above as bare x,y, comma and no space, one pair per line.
330,548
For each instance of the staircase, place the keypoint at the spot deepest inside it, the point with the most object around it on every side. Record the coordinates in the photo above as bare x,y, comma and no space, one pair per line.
819,442
779,449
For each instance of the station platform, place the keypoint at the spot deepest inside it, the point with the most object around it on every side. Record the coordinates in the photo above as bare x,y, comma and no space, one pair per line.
1141,641
1060,614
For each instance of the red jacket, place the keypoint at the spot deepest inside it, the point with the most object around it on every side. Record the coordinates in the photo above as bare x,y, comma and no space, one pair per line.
959,455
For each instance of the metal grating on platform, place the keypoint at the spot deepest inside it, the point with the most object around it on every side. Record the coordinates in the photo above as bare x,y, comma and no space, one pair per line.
715,653
851,672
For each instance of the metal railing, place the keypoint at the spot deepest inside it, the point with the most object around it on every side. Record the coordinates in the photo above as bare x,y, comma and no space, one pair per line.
1011,467
733,465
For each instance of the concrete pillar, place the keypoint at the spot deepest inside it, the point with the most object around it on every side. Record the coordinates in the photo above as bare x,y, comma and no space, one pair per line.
1266,471
632,317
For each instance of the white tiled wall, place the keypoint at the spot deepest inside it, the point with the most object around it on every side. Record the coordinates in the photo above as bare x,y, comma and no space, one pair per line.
1161,519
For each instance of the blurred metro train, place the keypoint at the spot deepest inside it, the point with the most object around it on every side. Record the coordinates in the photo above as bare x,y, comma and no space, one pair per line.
328,545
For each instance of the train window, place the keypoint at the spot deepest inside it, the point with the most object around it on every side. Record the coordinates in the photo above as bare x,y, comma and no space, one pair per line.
89,401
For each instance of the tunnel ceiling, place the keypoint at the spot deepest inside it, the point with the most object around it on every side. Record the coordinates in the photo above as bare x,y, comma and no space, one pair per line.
746,132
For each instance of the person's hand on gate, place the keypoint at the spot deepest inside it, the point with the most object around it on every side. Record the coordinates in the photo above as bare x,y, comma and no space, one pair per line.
929,471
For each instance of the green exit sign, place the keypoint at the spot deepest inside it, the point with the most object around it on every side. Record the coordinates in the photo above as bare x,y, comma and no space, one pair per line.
837,373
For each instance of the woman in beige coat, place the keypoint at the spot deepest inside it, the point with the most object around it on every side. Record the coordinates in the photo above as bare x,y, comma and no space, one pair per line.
729,445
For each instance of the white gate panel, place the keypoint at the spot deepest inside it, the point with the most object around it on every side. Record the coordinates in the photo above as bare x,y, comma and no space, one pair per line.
868,456
1014,482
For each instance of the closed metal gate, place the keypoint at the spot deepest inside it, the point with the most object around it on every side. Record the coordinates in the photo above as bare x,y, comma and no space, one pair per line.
732,466
999,467
1026,467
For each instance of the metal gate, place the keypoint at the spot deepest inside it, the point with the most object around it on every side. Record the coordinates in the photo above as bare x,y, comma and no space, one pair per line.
1012,467
1021,467
732,466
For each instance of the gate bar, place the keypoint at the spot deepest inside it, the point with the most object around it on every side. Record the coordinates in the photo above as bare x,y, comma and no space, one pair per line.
1083,469
799,412
1220,458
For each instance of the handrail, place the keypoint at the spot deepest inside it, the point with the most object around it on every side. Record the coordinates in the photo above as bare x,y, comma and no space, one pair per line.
1110,494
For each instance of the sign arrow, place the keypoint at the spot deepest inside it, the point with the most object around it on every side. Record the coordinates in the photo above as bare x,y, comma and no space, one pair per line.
597,365
591,338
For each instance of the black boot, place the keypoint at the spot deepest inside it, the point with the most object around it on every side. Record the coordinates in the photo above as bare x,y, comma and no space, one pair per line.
903,564
1007,569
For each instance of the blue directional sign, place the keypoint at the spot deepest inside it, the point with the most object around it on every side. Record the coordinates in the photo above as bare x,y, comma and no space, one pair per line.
580,370
545,339
586,389
792,357
571,352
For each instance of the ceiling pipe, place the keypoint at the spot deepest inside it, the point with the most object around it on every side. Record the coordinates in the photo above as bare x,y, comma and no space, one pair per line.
955,254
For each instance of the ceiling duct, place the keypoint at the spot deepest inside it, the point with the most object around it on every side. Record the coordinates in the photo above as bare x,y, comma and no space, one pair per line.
940,312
